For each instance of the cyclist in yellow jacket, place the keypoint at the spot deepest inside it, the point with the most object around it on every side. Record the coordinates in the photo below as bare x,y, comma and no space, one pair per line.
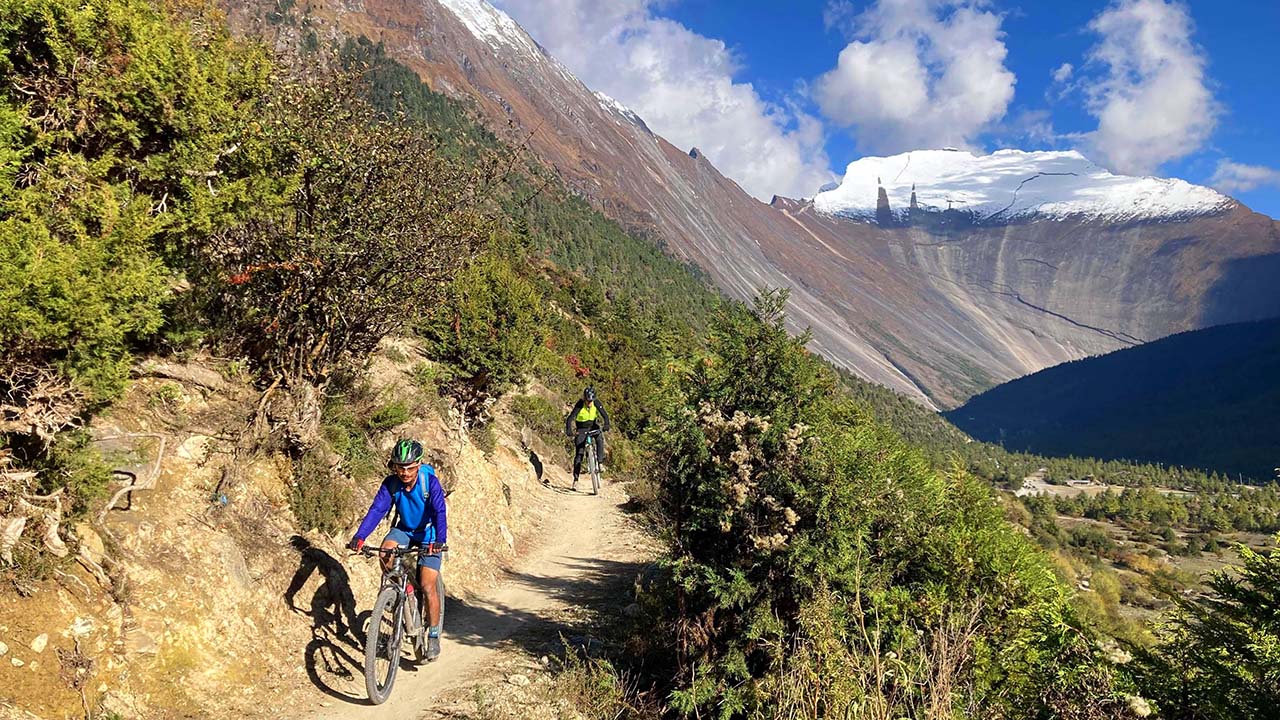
587,415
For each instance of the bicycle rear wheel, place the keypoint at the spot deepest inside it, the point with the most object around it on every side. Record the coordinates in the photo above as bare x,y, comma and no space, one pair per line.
382,646
440,594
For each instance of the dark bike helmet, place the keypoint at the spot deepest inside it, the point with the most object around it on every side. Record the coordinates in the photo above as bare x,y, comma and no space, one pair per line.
406,452
589,395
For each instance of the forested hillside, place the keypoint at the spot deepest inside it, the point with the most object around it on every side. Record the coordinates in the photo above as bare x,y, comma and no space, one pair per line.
1203,399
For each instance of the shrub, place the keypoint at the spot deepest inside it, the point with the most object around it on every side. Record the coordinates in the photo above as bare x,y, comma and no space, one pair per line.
1092,539
487,328
804,533
346,434
1219,656
321,499
116,137
539,415
483,436
389,416
370,228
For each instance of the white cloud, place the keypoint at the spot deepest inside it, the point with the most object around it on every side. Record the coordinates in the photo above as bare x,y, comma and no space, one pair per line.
1234,177
918,73
682,84
1154,104
1063,72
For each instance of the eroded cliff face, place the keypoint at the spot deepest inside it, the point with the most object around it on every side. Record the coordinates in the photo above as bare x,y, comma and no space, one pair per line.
183,606
937,311
960,309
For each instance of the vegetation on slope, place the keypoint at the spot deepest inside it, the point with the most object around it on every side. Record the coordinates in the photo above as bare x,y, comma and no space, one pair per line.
818,564
1199,399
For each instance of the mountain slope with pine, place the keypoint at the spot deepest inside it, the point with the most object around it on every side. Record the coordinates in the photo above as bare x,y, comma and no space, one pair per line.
1201,399
937,309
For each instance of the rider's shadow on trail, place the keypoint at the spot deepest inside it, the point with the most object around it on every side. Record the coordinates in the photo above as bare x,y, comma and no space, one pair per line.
333,603
336,648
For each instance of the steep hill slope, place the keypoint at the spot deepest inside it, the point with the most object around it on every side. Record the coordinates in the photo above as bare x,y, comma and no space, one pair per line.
1202,399
938,310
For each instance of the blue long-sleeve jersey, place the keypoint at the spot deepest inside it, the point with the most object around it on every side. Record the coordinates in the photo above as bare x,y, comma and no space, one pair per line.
421,509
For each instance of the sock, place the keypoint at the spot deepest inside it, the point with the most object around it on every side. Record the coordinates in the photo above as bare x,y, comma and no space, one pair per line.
433,632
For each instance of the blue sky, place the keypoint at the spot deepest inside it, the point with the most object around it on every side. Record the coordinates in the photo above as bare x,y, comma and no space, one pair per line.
780,95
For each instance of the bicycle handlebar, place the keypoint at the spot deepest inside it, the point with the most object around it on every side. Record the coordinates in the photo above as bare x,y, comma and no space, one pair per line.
432,549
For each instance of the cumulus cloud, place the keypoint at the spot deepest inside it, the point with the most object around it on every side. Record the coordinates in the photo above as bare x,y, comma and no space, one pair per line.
682,84
918,73
1063,72
1234,177
1153,103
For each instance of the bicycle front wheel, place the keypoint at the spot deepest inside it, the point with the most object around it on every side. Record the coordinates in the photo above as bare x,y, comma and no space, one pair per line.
382,646
594,463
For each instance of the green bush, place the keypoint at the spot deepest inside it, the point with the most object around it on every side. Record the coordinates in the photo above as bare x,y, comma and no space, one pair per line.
428,377
389,416
347,436
1218,656
488,327
116,121
539,415
311,283
320,498
813,553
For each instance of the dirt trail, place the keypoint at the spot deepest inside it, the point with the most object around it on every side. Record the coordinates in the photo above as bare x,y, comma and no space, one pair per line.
589,545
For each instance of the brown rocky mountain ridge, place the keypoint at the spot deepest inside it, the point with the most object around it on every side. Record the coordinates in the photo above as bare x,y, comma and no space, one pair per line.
937,311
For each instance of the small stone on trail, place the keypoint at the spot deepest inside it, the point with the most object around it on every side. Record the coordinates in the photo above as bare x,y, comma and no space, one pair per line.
42,640
544,661
80,628
16,662
518,680
4,649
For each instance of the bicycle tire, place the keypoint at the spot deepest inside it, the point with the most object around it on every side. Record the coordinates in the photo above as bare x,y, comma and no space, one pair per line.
594,465
420,638
385,628
440,594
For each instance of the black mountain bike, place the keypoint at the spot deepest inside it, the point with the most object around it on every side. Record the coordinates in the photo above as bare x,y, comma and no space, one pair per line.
396,618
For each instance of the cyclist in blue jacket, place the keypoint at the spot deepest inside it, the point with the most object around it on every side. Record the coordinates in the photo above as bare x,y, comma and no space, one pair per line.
415,492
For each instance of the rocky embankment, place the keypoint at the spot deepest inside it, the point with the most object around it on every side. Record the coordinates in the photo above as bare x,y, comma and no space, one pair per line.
192,601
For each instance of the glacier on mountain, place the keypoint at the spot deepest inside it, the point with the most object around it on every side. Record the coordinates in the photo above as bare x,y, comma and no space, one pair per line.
1012,184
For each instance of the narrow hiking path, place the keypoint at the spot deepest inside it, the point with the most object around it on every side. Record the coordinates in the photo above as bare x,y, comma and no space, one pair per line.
590,552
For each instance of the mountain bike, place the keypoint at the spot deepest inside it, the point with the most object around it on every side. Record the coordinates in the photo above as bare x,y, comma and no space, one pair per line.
395,618
593,462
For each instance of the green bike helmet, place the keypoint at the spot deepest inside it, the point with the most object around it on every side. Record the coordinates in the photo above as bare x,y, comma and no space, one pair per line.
406,452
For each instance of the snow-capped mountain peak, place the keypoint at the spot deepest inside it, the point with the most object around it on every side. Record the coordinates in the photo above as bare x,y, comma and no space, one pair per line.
1010,184
504,35
488,23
